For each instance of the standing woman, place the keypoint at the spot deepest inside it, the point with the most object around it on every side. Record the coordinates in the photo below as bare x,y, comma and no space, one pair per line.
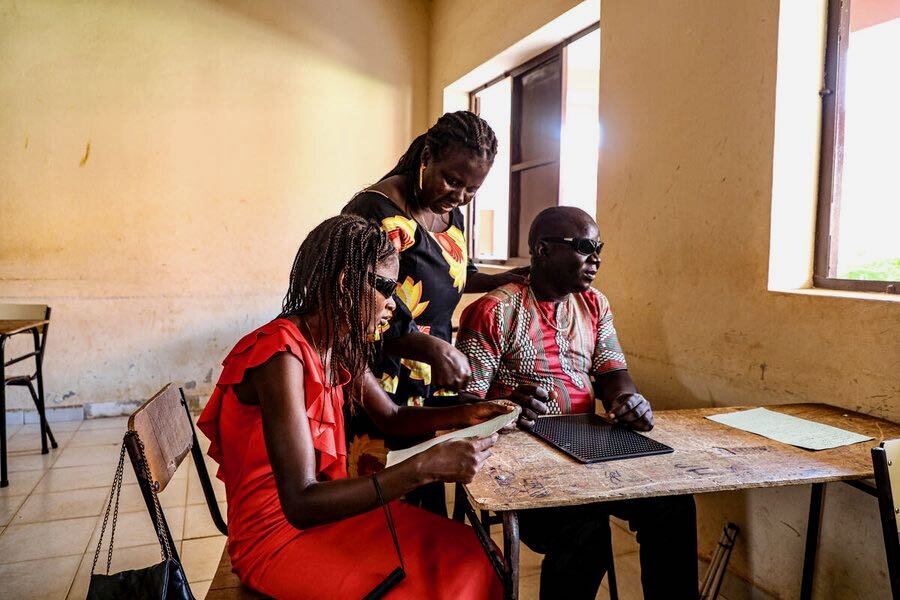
417,203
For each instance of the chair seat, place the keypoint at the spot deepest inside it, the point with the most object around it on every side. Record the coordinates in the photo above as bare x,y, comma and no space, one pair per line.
226,585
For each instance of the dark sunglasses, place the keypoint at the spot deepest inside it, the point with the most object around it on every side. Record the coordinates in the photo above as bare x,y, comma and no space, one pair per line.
385,285
584,246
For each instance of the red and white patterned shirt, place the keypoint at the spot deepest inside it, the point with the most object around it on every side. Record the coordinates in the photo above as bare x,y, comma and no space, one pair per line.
512,339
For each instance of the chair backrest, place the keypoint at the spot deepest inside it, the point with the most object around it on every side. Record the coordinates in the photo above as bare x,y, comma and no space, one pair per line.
163,425
167,434
886,461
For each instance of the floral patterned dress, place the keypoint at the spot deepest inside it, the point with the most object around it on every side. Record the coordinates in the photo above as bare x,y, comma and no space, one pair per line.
433,271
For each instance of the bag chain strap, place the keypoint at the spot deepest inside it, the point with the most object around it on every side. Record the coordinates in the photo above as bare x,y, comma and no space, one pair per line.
165,548
115,491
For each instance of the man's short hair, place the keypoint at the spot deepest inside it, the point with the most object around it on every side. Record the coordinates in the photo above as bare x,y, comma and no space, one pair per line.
554,221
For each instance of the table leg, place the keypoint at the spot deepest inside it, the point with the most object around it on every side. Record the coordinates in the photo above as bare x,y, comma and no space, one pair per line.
511,553
3,480
813,523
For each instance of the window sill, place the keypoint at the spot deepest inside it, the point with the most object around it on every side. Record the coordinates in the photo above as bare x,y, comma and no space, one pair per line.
878,296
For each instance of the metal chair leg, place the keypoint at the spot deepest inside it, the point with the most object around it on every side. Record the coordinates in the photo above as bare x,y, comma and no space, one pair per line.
39,344
42,417
3,480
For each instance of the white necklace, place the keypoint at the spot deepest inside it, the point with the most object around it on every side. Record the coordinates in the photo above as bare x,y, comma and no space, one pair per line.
568,323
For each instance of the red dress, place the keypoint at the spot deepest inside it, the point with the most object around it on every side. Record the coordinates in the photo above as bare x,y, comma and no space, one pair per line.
342,560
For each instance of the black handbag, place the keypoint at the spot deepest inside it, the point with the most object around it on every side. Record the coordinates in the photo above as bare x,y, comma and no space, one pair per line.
162,581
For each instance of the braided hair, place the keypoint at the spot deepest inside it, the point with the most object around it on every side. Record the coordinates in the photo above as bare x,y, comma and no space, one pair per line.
349,246
461,130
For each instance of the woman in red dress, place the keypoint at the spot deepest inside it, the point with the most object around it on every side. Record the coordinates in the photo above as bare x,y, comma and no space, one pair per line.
298,527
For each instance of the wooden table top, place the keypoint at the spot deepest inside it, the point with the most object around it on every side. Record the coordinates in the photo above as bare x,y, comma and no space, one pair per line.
525,472
13,326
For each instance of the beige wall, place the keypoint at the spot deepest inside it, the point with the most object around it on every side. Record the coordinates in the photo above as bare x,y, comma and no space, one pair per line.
467,33
219,133
687,95
685,188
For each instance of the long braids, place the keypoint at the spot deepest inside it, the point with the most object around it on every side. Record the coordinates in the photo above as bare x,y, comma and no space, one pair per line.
348,246
461,129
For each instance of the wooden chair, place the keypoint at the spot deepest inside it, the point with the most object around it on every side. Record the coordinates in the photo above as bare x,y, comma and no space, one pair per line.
163,425
886,461
24,318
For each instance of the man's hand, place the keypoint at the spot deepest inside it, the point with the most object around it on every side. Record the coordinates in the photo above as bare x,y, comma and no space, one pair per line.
533,399
631,410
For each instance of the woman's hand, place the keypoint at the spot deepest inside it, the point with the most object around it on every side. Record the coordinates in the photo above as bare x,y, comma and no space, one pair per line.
533,399
449,367
479,412
517,275
456,460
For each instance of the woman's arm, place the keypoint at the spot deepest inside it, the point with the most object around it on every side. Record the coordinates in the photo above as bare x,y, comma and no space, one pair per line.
449,367
417,420
479,283
306,502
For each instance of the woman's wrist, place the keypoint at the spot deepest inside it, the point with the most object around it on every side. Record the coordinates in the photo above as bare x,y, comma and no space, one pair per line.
419,471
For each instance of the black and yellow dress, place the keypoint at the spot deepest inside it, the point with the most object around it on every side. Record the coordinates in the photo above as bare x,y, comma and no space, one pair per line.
433,271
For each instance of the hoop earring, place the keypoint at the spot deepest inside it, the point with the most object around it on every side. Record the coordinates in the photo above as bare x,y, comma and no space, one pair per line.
421,174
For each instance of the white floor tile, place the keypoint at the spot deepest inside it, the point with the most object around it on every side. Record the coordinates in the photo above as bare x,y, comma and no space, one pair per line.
9,505
45,540
54,506
21,482
87,476
77,456
42,579
105,423
200,557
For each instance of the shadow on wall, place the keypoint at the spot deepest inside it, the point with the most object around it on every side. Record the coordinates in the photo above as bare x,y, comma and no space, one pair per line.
346,30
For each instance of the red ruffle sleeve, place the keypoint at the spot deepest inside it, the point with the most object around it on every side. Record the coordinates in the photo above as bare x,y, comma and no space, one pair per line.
323,404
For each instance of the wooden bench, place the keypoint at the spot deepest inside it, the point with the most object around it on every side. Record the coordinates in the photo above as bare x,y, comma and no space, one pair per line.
226,585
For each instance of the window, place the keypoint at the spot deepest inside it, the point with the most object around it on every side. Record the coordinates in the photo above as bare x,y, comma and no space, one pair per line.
545,115
857,237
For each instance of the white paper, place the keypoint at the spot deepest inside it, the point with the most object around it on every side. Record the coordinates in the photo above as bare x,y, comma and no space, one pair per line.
482,430
788,429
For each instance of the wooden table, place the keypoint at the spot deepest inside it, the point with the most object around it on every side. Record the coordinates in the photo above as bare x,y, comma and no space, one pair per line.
10,327
524,472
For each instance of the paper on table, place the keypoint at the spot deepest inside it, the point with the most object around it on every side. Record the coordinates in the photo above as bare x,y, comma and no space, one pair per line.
788,429
481,430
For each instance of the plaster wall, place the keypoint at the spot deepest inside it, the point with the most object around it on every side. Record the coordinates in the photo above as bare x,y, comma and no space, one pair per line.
162,161
687,106
687,109
466,33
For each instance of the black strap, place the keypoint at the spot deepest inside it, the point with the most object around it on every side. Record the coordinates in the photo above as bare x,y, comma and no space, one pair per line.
390,520
397,575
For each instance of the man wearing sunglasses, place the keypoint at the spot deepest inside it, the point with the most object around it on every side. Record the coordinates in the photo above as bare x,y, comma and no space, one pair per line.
538,344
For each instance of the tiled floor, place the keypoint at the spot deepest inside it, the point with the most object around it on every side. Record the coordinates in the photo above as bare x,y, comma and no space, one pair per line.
51,513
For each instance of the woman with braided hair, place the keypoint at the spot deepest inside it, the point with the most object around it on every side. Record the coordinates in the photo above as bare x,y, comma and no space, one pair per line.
417,203
298,526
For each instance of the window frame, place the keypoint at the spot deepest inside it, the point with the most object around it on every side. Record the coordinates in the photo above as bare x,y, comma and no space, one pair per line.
556,52
831,159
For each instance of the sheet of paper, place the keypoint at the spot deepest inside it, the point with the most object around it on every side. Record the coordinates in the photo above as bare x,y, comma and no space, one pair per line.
790,430
481,430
